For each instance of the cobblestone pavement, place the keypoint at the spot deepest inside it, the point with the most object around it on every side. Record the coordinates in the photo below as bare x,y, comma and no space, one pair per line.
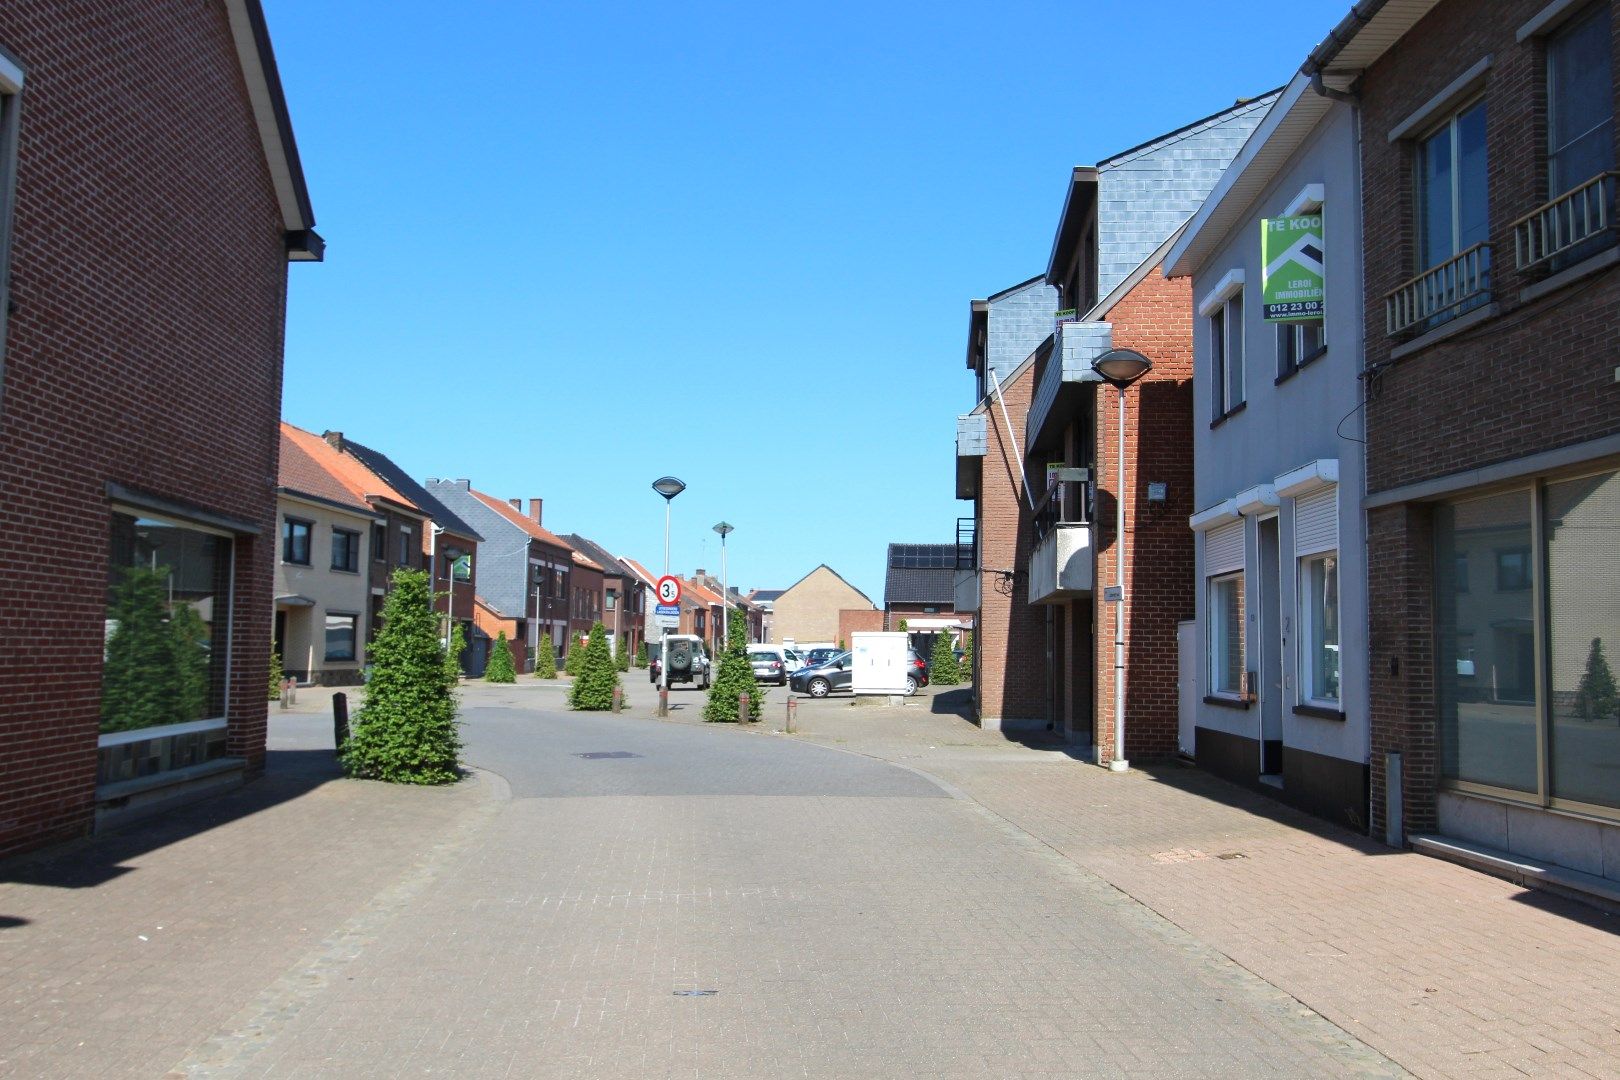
1448,971
547,918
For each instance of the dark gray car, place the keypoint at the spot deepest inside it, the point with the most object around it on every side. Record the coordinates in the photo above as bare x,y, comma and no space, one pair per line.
832,675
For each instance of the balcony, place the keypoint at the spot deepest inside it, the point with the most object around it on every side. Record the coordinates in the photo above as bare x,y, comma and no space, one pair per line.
1548,232
971,446
1063,565
1074,346
1440,293
967,565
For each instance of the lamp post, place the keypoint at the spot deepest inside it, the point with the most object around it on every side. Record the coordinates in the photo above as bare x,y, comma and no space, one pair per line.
668,487
1120,368
725,529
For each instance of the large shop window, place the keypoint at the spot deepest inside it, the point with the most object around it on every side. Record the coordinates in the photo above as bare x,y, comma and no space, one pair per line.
166,635
1551,608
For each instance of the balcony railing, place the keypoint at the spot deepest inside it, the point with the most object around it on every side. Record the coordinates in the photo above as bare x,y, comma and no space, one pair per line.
1565,223
967,544
1049,511
1440,292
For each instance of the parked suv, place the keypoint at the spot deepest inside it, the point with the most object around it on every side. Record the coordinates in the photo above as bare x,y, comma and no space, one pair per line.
688,663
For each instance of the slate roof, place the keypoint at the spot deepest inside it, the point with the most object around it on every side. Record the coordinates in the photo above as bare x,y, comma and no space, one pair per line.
309,466
599,555
504,579
414,494
765,596
586,561
640,571
516,517
921,574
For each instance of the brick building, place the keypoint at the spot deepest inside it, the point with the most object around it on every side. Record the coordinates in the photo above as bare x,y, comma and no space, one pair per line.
1049,545
808,610
623,598
919,589
143,280
1493,425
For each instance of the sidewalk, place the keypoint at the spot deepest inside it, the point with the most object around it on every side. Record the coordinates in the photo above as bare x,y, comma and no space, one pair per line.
1449,972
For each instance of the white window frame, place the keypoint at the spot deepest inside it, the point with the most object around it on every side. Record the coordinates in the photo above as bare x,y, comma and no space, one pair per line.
1215,645
1218,302
1307,627
1448,126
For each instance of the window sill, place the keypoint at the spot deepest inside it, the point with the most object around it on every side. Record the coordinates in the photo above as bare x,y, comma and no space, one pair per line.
1226,702
1302,365
1321,712
1570,274
1228,414
345,570
295,562
1466,321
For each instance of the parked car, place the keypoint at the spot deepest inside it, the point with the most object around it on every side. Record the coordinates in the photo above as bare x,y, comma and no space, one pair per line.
770,663
820,654
795,659
688,663
831,675
917,677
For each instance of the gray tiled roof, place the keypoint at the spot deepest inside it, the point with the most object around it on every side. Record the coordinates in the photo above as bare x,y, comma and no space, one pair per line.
401,482
599,555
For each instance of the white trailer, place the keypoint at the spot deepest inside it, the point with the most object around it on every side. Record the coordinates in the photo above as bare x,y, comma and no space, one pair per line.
880,662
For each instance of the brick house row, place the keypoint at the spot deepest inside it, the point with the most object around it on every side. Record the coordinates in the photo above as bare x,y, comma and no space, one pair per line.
1399,600
124,541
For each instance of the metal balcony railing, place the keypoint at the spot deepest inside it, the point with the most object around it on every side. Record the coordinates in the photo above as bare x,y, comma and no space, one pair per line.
1440,292
967,544
1566,222
1049,511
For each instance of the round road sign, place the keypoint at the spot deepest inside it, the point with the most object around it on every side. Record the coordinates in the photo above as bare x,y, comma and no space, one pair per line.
669,589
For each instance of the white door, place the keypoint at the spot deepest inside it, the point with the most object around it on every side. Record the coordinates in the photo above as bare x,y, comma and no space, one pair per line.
1186,685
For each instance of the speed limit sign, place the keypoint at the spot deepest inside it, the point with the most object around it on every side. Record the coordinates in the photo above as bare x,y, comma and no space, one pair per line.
669,589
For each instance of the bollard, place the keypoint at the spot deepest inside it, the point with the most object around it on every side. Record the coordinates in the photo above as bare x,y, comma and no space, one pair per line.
663,701
618,699
340,721
281,698
792,710
292,690
742,708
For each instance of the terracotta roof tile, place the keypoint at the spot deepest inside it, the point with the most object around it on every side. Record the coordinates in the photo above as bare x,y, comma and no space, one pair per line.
309,464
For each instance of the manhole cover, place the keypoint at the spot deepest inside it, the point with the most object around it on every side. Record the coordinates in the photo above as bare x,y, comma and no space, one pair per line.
1230,855
696,993
596,755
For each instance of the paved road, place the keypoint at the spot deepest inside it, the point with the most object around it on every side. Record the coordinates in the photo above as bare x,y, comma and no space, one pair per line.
699,902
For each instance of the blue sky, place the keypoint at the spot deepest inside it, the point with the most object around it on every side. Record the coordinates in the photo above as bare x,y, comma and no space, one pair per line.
574,247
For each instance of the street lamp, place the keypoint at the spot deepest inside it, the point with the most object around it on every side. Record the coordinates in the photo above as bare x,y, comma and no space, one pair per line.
668,487
725,529
1120,368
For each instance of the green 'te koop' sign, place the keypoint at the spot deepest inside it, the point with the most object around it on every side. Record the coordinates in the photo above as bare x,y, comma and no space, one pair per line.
1291,283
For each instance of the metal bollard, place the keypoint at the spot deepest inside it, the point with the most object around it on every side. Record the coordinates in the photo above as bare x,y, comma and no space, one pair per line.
618,699
792,711
742,708
340,720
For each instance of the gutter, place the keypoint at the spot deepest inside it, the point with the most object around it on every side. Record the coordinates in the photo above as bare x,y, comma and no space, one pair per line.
1341,35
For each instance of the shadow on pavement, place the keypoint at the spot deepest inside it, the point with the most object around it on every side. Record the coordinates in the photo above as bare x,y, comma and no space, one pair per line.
87,863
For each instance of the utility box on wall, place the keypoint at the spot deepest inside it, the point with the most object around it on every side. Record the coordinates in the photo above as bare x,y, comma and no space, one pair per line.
880,662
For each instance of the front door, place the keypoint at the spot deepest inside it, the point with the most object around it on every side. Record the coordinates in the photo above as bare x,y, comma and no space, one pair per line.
1269,640
1187,693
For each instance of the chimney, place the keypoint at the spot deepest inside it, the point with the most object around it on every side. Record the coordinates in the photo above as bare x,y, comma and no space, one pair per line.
334,439
698,573
534,510
517,504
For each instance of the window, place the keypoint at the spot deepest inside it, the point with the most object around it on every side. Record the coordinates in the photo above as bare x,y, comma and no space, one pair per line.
1226,641
345,549
1319,628
1580,108
1298,343
404,549
1527,697
11,84
295,541
379,543
1226,354
1451,188
340,636
163,655
612,600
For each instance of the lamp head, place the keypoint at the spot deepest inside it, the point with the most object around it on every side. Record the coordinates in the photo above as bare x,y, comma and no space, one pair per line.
1121,367
668,486
725,529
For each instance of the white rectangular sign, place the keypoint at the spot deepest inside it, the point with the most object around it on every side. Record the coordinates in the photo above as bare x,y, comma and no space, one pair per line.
668,622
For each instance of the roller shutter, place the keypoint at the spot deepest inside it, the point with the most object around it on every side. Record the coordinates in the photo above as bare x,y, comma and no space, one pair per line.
1223,549
1316,521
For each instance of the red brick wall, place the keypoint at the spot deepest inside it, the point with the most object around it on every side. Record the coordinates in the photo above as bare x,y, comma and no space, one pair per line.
1009,648
1538,376
1155,319
852,619
145,342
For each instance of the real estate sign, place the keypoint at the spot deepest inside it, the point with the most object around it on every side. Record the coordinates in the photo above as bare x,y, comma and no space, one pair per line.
1291,281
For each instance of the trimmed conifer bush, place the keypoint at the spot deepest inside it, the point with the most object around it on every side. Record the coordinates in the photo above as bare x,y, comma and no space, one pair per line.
735,677
594,676
276,675
500,668
967,654
1597,698
641,655
545,659
156,669
405,733
942,667
621,656
576,654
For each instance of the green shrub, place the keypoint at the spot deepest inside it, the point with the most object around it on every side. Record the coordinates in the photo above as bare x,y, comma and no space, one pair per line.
545,659
406,731
594,676
641,655
1597,697
276,675
942,667
967,654
621,656
156,669
576,654
500,668
735,678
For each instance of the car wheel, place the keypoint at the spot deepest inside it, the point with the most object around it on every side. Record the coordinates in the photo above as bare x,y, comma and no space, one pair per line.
820,687
911,685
